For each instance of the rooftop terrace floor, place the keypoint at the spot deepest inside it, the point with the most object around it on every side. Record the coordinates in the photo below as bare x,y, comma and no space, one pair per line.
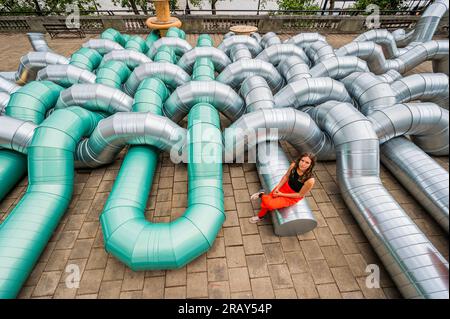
246,261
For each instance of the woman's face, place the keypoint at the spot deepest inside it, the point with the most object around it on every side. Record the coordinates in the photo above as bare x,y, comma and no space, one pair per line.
305,163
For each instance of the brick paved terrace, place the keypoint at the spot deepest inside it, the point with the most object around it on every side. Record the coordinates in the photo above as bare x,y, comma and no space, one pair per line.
246,261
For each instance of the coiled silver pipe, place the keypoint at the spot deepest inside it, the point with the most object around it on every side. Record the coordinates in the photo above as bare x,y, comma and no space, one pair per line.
414,264
311,91
16,134
256,36
32,62
305,39
240,52
172,75
384,38
420,175
280,52
225,99
113,133
269,39
4,99
319,51
431,87
38,42
179,45
8,86
234,74
95,97
251,44
389,77
218,57
338,67
65,75
131,58
294,69
102,46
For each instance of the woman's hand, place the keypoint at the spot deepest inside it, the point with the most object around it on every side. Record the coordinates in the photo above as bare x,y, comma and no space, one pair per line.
276,193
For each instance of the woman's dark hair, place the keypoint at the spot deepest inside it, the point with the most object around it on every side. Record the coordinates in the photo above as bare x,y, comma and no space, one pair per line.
309,172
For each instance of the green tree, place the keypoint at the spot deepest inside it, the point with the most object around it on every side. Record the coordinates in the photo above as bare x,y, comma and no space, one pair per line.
383,4
45,6
133,5
297,5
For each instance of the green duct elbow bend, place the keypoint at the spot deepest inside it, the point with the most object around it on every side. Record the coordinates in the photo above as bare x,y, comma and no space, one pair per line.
27,229
136,43
113,35
113,73
150,96
12,169
86,59
141,244
165,54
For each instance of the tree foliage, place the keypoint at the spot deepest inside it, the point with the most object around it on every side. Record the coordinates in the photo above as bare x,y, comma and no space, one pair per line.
383,4
45,6
297,5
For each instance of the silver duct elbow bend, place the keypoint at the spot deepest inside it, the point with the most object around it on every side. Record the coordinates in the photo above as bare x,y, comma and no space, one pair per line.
16,134
389,77
131,58
8,86
432,87
256,93
102,46
227,101
256,36
218,57
311,91
95,97
65,75
305,39
280,52
338,67
237,72
294,69
420,175
429,21
179,45
253,45
4,99
38,42
414,264
172,75
240,52
384,38
9,76
319,51
116,131
269,39
276,124
31,63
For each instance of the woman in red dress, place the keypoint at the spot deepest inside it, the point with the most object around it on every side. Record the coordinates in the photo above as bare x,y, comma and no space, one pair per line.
294,185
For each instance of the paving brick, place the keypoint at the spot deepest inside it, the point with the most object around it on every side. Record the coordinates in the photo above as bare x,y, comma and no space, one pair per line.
236,171
247,228
320,196
115,270
296,262
47,284
290,243
336,226
105,186
392,293
304,286
252,244
64,292
245,210
227,190
262,288
67,240
88,230
239,279
324,236
267,234
217,269
286,293
175,293
274,253
238,183
334,256
197,265
311,250
251,177
235,256
219,290
131,294
197,285
241,196
306,236
72,268
179,200
82,248
165,195
352,295
242,295
257,266
357,264
90,282
217,249
328,210
180,188
110,289
97,259
163,209
280,275
75,222
232,236
357,234
176,277
328,291
58,260
165,182
370,293
229,203
232,219
87,296
153,288
346,244
344,279
320,272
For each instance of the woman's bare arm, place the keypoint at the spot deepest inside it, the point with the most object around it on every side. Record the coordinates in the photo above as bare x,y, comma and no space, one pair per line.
309,184
285,178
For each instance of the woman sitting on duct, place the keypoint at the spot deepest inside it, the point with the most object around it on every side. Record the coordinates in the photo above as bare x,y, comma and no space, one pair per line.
294,185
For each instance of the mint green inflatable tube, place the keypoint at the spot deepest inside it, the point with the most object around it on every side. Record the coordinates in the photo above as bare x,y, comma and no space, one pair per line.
141,244
151,38
113,35
86,59
113,73
165,54
27,229
29,103
136,43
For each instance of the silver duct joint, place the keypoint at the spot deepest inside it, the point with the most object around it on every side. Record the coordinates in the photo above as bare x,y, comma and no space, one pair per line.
16,134
280,52
102,46
251,44
179,45
294,69
130,57
218,57
65,75
338,67
38,42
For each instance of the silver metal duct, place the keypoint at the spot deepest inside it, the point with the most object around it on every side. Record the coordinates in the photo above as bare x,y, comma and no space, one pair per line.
4,99
288,124
112,134
228,34
179,45
280,52
172,75
65,75
16,134
338,67
311,91
95,97
32,62
426,122
389,77
102,46
269,39
240,52
420,175
427,25
238,71
131,58
38,42
420,52
218,57
305,39
431,87
225,99
9,76
289,221
294,69
256,36
8,86
319,51
414,264
251,43
385,39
